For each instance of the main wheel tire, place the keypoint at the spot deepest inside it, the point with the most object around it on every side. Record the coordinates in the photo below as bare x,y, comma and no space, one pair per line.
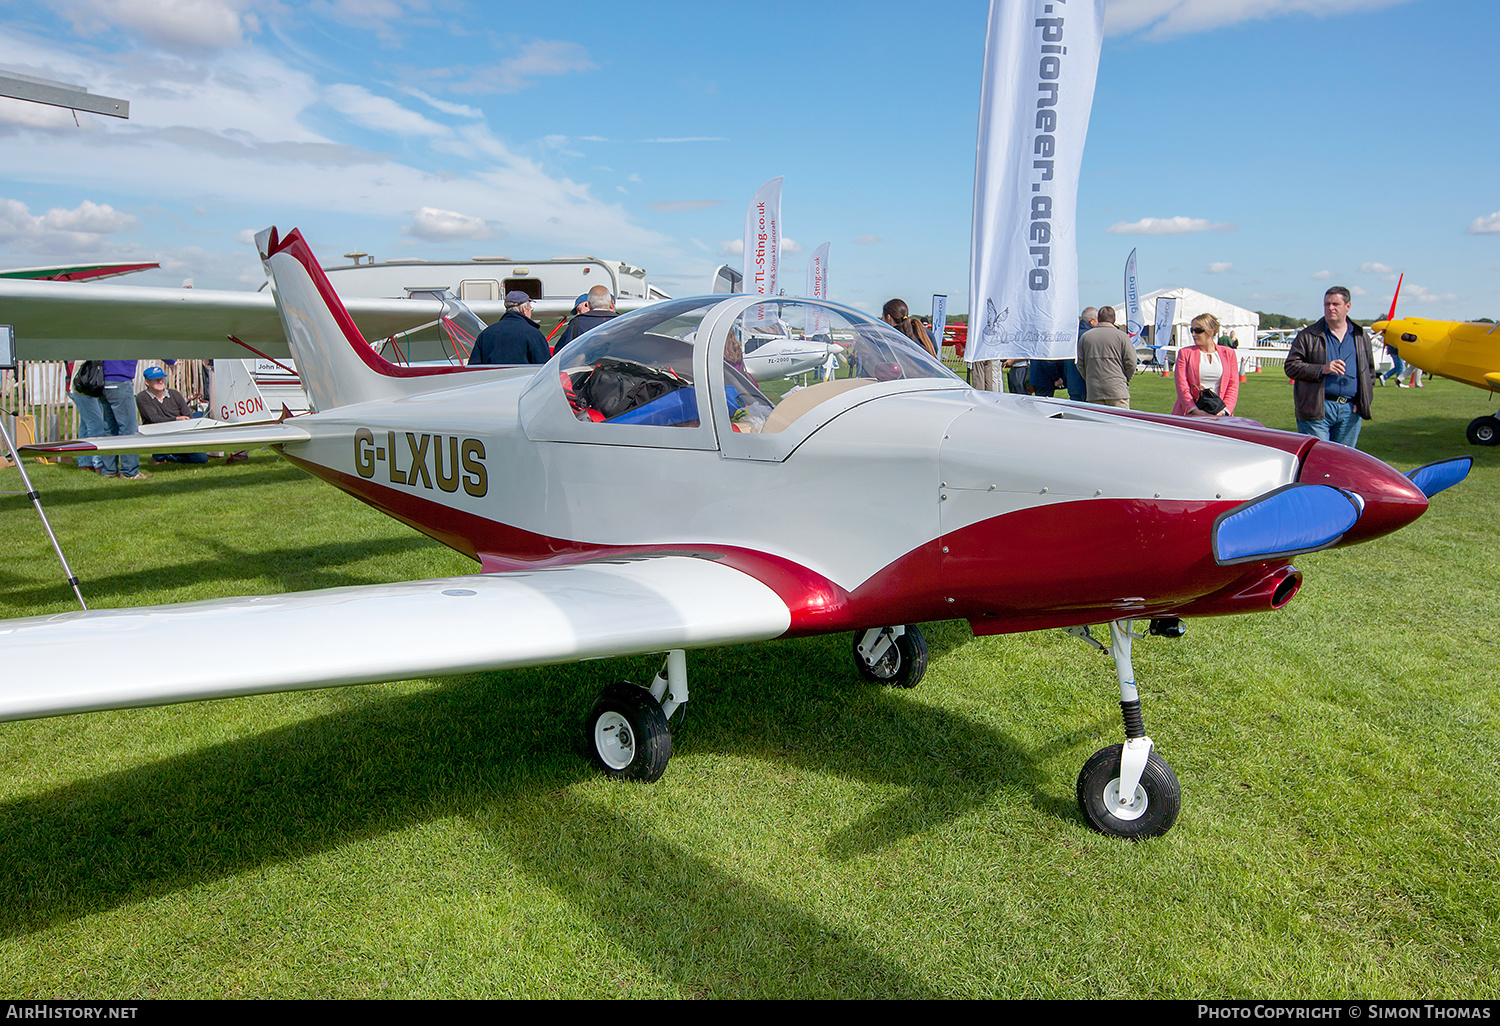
904,662
627,734
1151,812
1484,431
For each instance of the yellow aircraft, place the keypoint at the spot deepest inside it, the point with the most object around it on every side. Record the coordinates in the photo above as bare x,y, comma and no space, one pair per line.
1466,351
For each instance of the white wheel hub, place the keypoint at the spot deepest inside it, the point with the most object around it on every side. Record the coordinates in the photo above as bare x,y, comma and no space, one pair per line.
614,740
1117,807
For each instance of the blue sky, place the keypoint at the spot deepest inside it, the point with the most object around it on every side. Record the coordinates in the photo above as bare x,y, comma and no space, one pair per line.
1257,150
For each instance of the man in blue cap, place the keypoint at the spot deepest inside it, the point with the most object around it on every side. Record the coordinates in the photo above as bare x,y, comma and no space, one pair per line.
158,404
514,338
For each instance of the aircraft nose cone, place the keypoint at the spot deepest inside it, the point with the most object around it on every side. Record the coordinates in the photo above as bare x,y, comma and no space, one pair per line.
1391,501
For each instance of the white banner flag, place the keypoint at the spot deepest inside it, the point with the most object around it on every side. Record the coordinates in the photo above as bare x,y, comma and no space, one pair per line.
763,248
1040,61
817,288
1133,322
1161,337
939,320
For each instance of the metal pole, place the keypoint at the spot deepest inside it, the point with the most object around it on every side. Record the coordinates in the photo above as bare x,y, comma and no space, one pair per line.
36,500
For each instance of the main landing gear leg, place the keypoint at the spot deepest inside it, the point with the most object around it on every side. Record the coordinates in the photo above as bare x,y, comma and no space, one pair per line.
896,656
1128,790
626,731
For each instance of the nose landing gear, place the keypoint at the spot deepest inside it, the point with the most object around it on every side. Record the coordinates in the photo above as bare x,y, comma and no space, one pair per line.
1128,790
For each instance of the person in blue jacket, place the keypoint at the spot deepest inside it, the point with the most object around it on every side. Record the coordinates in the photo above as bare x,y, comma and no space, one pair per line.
514,338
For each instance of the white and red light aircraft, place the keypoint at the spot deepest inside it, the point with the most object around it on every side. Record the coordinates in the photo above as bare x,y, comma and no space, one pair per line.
642,493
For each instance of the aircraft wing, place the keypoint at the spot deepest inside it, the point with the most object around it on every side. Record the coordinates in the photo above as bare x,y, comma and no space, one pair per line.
382,632
180,436
69,321
57,320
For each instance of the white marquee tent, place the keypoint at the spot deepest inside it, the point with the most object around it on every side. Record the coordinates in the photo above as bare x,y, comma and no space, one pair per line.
1233,320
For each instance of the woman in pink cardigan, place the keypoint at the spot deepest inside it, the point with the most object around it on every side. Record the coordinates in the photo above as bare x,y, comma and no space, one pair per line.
1206,364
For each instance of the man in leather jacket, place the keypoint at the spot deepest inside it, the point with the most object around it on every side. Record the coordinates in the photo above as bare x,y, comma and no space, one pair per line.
1331,365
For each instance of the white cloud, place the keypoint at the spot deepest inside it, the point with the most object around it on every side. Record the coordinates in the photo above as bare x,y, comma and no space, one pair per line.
434,225
245,236
790,245
536,59
458,110
1321,275
734,247
868,240
240,128
1222,267
172,24
59,230
1355,290
1165,18
1369,268
1168,226
367,110
24,114
1422,294
1487,225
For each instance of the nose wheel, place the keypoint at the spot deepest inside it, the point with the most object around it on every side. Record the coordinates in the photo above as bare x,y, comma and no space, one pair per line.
1149,810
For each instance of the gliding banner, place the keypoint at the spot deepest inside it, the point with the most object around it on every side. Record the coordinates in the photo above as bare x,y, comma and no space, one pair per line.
939,320
763,248
1040,61
1166,316
1133,322
817,288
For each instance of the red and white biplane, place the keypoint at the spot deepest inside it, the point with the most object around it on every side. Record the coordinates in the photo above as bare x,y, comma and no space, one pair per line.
642,492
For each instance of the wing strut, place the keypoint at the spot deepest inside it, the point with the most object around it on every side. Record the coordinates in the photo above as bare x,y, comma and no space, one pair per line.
36,500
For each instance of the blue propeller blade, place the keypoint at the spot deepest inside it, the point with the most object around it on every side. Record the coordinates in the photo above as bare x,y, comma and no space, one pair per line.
1435,477
1294,519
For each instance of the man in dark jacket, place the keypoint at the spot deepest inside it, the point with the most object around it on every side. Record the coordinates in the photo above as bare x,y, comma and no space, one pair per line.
514,338
601,309
1331,366
158,404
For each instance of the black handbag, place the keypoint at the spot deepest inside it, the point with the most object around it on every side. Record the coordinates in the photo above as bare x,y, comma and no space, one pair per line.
1209,402
88,379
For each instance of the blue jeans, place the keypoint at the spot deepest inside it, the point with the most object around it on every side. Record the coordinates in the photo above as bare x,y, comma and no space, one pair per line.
90,425
118,408
1397,366
1340,424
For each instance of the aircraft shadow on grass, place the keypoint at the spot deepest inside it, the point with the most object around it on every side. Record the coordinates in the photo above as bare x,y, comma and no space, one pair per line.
487,746
309,566
165,481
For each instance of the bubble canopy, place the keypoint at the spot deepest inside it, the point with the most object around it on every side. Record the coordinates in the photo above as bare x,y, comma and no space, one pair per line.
713,372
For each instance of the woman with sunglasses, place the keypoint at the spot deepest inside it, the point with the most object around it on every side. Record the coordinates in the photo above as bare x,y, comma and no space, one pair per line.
1205,365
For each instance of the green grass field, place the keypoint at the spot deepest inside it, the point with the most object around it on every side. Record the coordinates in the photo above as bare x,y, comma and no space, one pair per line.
814,836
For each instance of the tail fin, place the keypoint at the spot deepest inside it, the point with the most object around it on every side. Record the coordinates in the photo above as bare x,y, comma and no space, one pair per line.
235,397
336,364
1392,315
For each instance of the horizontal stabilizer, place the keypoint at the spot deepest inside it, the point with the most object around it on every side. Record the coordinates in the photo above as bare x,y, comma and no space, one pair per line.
71,662
1293,519
190,439
1435,477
